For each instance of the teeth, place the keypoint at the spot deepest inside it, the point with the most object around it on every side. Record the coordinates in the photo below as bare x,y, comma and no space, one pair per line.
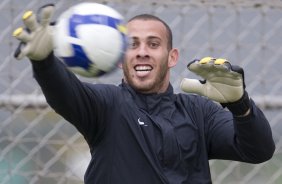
143,68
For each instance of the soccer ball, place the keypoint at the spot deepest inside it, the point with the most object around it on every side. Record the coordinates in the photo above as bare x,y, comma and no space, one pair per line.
90,39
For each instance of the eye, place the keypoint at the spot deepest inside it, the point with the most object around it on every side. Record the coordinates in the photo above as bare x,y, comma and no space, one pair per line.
154,44
133,43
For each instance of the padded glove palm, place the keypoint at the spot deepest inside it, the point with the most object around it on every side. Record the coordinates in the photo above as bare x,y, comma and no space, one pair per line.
222,82
36,39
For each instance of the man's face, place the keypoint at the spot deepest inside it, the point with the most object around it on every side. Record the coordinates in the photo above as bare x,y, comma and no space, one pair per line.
146,65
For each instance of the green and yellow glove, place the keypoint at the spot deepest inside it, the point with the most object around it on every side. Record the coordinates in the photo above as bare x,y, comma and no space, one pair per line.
36,40
223,83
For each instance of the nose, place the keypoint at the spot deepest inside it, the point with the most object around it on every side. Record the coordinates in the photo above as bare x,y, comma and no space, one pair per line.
142,51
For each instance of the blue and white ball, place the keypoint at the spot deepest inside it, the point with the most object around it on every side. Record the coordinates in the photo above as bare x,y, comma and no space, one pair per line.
90,38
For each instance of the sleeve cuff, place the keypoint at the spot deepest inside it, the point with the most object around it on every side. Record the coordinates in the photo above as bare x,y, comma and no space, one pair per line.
239,107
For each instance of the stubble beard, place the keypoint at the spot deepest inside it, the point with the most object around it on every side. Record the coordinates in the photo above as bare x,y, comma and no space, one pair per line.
146,87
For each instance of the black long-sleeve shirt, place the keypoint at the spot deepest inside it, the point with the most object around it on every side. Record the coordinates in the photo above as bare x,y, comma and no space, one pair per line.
151,139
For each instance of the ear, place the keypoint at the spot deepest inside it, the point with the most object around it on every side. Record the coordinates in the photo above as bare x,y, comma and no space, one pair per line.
173,57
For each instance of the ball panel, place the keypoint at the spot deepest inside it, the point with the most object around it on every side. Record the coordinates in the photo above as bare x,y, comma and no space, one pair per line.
88,8
61,39
108,49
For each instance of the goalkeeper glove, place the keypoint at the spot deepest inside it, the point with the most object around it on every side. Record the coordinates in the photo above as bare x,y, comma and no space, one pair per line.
36,40
222,82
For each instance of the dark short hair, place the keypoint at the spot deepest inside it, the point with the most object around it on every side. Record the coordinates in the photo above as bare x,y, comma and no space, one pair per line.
153,17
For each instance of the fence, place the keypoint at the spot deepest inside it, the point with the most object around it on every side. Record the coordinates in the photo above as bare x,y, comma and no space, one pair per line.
38,146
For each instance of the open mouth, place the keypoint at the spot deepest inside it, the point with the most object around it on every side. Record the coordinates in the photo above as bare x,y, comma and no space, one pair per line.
143,68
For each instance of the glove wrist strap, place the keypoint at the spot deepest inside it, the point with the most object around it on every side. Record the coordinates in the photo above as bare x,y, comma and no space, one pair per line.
239,107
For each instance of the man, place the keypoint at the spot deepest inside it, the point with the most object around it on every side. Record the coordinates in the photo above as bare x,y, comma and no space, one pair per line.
140,131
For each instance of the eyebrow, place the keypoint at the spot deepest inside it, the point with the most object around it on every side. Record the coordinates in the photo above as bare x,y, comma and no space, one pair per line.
154,37
147,38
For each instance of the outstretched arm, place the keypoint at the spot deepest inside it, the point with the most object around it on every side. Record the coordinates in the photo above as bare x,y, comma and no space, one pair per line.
245,136
76,101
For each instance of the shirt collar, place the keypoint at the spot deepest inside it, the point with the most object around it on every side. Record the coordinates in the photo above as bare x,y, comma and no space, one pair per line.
152,103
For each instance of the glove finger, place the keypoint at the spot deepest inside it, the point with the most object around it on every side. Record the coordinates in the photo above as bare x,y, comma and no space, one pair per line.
22,35
21,51
197,64
18,51
211,67
202,67
193,86
30,21
205,60
222,66
228,70
214,65
226,65
239,71
45,14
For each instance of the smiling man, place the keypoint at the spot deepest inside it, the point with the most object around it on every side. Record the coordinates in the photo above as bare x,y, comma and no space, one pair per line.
150,55
141,132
